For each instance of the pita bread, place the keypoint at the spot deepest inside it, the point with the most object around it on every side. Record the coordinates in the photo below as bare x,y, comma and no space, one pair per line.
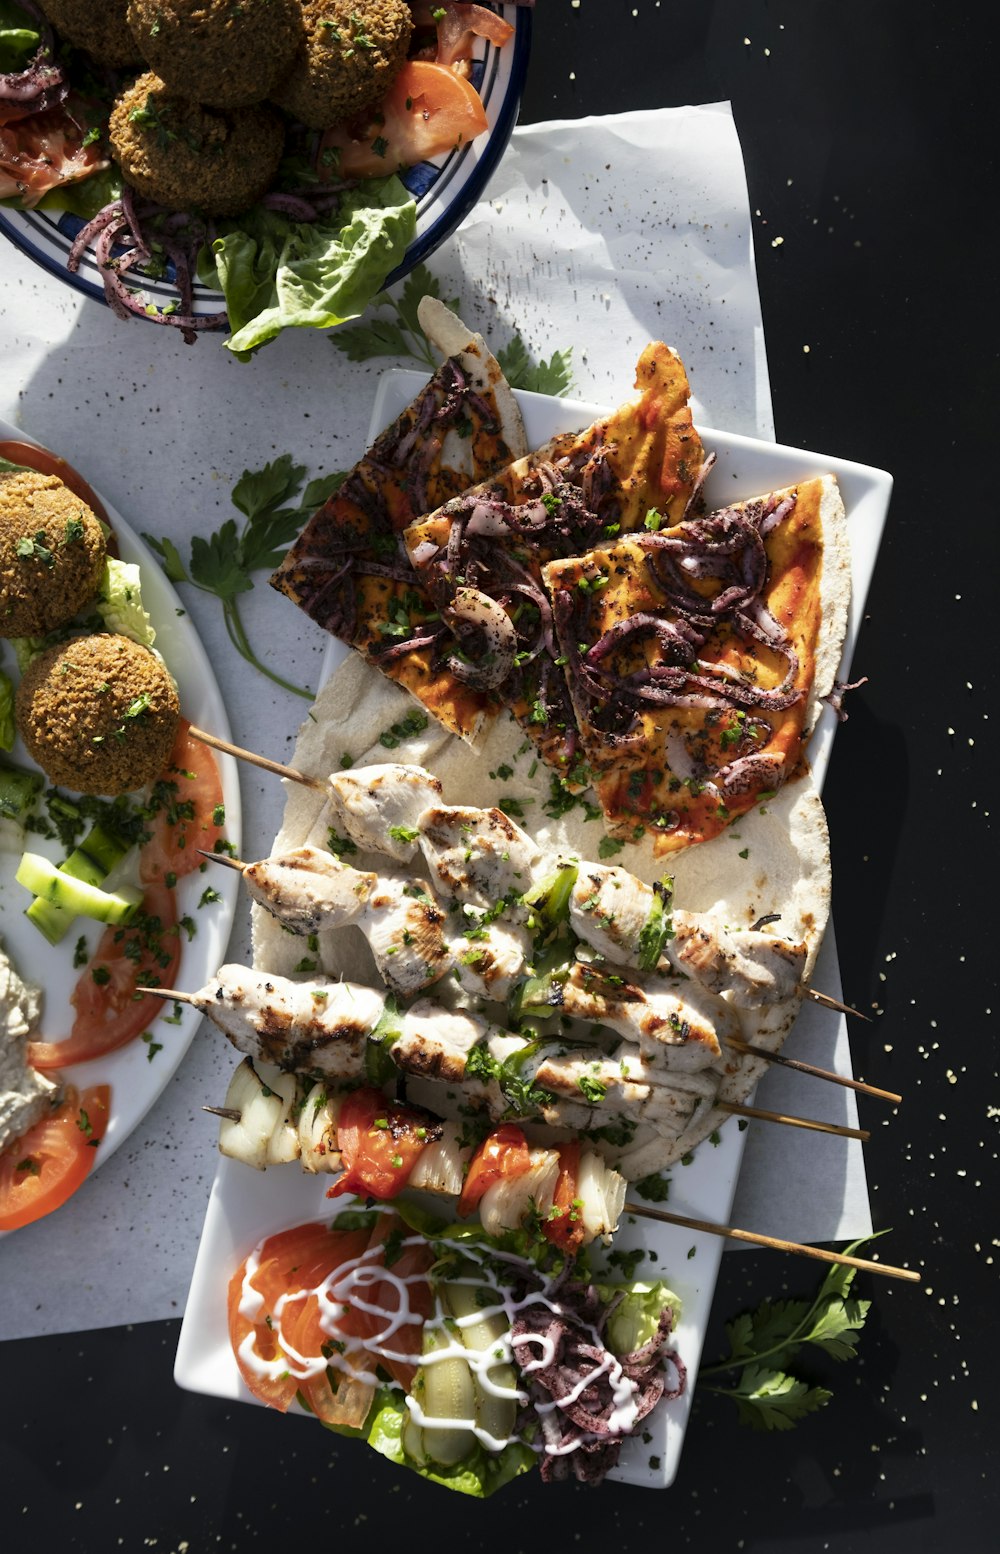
775,861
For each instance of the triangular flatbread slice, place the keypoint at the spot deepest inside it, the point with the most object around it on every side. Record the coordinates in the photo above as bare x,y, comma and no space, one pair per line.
348,569
696,656
491,544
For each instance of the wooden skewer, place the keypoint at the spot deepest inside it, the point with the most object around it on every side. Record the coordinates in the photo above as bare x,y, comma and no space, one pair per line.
793,1122
775,1242
231,863
807,1068
833,1003
229,1112
262,761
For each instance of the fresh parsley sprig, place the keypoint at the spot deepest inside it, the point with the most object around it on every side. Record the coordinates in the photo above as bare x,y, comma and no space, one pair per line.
763,1343
224,563
397,332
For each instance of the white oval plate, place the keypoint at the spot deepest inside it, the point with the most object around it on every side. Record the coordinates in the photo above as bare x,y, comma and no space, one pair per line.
136,1074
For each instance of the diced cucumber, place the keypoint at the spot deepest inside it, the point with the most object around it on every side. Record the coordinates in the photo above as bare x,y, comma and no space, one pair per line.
100,851
18,790
77,896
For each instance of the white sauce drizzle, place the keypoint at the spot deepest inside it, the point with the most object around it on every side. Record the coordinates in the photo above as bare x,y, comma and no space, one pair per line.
345,1288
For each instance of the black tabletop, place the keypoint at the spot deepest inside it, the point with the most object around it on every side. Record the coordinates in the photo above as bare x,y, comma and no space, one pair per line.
868,134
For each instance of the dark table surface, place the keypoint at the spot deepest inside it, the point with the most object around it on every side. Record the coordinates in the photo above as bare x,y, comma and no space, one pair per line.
868,131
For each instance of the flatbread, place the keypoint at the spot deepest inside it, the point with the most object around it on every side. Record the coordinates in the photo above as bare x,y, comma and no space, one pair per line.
579,489
348,570
688,712
775,861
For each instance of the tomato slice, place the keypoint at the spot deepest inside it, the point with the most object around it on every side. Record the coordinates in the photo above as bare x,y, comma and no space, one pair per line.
190,816
297,1259
427,110
43,152
503,1155
564,1228
146,952
50,464
39,1171
400,1301
380,1142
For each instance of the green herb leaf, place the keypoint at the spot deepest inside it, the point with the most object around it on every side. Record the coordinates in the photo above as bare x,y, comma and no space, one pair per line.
771,1400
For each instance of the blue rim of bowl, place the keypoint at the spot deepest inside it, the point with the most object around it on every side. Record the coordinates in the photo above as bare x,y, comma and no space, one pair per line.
422,246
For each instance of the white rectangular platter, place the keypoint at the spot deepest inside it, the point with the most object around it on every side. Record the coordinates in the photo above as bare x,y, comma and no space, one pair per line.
244,1206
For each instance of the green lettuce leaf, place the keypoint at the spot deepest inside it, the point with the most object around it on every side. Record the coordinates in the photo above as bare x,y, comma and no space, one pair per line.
480,1475
276,273
119,602
635,1320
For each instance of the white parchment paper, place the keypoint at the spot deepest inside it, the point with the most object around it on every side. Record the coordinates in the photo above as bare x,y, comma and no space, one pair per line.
598,234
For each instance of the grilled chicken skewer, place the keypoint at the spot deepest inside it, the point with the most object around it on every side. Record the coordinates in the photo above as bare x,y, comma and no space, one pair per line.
358,794
330,1028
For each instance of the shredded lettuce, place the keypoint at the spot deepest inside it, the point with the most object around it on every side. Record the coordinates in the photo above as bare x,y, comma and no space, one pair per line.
636,1318
276,273
8,728
119,602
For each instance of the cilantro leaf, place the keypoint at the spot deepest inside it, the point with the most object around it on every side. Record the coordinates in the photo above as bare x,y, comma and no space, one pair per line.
764,1342
216,564
771,1400
523,372
363,342
170,558
261,491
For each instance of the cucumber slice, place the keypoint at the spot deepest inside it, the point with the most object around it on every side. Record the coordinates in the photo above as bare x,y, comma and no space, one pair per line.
100,851
18,790
484,1331
448,1394
77,896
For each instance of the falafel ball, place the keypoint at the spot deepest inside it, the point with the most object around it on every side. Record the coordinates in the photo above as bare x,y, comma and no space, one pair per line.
215,52
353,50
51,553
186,156
100,29
99,714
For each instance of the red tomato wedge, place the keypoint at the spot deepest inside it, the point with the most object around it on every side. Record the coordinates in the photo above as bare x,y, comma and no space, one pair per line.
427,110
396,1305
564,1228
50,464
42,152
39,1171
298,1259
380,1142
145,952
504,1155
189,818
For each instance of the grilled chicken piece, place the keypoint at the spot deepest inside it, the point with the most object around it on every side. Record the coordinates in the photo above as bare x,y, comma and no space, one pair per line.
319,1027
754,968
405,932
478,855
610,908
310,889
674,1024
378,806
434,1043
490,962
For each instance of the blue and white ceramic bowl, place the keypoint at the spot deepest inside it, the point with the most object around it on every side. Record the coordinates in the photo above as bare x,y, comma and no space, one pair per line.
445,189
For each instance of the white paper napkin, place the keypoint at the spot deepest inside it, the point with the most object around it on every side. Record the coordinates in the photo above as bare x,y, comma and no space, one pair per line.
598,234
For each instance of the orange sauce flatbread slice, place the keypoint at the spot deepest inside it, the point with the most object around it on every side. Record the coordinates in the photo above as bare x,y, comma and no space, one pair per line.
691,655
579,489
348,569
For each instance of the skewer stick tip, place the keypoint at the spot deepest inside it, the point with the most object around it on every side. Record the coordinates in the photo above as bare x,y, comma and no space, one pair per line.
230,1113
226,858
834,1003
